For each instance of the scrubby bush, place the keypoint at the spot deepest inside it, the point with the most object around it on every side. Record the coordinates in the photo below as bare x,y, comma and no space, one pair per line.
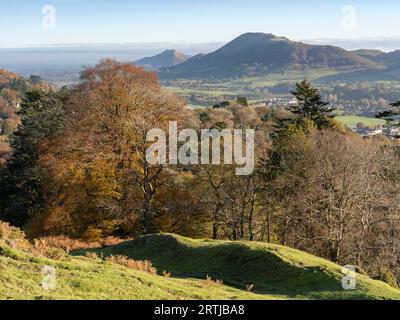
50,247
145,266
13,237
69,244
387,276
166,274
45,249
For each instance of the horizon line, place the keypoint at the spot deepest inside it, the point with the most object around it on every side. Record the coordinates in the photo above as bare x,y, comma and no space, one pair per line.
130,43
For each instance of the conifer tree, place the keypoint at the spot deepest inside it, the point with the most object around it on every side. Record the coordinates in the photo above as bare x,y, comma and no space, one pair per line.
42,116
392,116
311,106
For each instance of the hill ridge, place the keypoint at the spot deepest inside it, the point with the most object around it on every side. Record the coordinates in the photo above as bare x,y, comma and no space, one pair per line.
259,53
166,58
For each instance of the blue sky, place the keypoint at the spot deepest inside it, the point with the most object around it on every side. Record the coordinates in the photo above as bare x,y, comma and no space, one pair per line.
194,21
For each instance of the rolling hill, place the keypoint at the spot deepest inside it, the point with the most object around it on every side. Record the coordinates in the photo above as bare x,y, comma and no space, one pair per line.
391,72
368,53
167,58
389,59
275,271
260,53
81,278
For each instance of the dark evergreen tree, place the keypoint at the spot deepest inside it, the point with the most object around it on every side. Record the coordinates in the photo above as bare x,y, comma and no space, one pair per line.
243,101
42,116
220,126
392,116
204,118
311,106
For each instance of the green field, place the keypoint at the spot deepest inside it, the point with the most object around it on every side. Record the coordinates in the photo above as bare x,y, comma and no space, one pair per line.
189,91
291,76
242,86
352,121
195,106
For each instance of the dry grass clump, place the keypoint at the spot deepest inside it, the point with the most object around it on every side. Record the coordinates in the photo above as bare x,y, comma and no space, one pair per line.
60,246
111,241
209,282
145,266
68,244
56,248
15,238
91,255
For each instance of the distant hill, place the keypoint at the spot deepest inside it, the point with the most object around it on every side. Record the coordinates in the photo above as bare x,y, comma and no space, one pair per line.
368,53
389,59
260,53
167,58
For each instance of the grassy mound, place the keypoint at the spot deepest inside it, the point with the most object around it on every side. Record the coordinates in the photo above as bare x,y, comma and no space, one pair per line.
276,273
273,270
80,278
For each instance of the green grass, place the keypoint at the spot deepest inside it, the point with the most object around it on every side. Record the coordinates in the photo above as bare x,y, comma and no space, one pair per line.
195,106
271,79
79,278
352,121
291,76
275,271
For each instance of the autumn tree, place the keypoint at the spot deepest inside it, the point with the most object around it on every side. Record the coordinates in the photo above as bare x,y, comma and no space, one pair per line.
230,200
120,103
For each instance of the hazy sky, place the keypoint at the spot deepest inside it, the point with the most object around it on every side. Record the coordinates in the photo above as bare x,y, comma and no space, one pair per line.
195,21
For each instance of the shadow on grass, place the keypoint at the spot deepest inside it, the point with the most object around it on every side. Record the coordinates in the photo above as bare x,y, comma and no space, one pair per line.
238,265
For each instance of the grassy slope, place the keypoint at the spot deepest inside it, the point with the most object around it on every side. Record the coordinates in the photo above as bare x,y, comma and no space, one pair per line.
81,278
277,273
274,270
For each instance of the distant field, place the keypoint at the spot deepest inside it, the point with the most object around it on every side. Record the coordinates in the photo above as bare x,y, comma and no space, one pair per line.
195,106
189,91
292,76
287,76
246,85
351,121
